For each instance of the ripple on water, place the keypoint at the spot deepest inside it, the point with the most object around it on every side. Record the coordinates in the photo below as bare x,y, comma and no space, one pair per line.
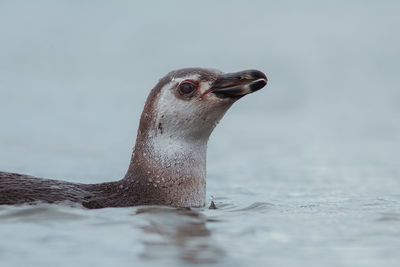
40,213
254,207
389,217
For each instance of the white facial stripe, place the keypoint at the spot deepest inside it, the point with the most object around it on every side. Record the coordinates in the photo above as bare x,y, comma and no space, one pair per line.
189,77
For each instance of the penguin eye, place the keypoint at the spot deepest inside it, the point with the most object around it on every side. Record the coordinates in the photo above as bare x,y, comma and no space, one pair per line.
186,88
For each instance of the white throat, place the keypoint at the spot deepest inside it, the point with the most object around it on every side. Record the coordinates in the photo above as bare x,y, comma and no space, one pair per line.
183,159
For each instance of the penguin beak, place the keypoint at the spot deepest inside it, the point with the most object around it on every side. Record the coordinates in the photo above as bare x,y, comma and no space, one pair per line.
238,84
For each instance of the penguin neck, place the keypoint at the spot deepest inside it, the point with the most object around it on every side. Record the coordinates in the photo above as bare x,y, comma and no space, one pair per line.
175,166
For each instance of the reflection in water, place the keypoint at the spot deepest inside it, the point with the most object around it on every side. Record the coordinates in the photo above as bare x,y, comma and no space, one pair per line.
179,232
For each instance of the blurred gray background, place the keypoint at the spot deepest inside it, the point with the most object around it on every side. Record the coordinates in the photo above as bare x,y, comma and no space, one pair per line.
74,76
307,167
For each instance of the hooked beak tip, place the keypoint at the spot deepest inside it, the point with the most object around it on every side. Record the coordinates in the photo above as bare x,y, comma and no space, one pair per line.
258,84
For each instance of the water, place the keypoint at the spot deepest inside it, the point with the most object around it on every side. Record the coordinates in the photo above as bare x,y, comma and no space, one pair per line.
303,173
